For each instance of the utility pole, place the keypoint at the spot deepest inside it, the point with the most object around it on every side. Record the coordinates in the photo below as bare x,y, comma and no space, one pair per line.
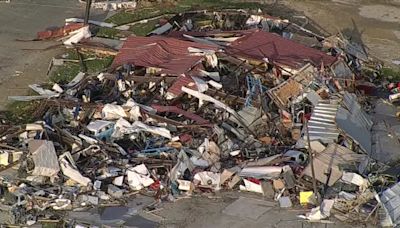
87,11
311,156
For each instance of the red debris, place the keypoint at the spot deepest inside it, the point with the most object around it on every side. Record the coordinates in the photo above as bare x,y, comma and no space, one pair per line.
185,138
254,180
58,31
183,80
155,186
262,45
168,54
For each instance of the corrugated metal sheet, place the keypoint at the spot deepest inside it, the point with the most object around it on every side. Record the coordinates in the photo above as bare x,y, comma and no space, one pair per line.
169,54
357,124
183,80
322,125
386,145
329,118
390,199
385,133
342,70
260,45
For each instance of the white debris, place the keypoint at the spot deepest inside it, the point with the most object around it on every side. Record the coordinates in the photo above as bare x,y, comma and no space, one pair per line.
56,87
184,185
254,20
118,181
320,212
208,179
114,5
113,112
356,179
70,170
34,127
78,35
98,23
139,177
251,187
261,171
44,92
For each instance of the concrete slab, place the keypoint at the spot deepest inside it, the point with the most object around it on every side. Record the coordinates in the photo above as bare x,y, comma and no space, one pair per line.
248,208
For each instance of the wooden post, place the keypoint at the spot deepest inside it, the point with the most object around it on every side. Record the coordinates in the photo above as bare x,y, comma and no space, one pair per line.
87,11
311,156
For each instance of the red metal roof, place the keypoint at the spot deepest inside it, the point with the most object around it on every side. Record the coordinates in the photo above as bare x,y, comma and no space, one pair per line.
179,34
260,44
183,80
169,54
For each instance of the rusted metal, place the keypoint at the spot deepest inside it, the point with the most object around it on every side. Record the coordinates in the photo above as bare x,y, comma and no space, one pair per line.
177,110
58,32
270,47
169,55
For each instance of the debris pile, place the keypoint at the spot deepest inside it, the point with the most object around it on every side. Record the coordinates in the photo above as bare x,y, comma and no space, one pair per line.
113,4
237,103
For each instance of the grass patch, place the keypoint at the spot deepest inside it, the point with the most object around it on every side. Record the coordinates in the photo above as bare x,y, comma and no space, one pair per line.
181,6
21,112
122,18
391,74
108,33
65,73
144,29
97,65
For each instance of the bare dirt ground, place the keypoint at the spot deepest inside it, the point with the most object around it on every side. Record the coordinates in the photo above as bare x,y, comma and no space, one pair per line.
22,19
378,21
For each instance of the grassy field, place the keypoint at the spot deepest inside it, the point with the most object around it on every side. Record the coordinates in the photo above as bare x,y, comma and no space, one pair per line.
122,18
391,73
65,73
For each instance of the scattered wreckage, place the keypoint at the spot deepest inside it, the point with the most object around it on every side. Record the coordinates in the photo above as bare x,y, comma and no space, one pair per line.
193,109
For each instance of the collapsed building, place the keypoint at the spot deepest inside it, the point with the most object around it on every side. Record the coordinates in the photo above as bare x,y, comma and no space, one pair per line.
193,109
